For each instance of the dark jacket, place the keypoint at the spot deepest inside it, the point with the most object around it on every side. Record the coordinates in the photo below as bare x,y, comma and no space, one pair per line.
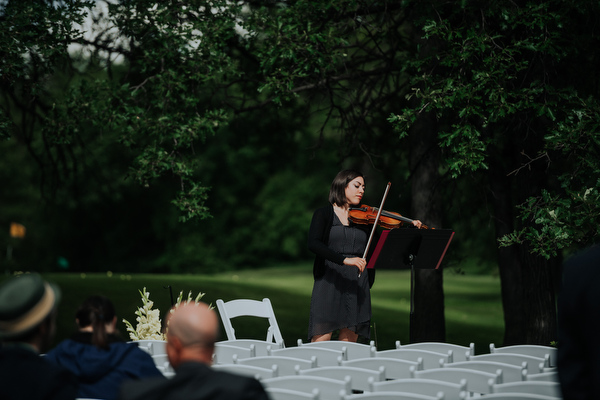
318,238
579,326
24,374
195,381
101,372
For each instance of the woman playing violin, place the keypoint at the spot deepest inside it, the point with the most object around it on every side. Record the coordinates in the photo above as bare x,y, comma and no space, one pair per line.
341,298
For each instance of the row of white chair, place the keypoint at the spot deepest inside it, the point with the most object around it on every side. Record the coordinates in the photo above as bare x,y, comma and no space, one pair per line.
484,374
338,353
396,361
437,383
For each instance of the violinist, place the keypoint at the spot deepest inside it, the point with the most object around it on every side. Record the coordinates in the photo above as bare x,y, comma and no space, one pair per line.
341,298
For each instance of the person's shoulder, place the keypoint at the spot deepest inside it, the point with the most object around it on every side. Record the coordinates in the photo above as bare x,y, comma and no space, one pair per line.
49,377
239,386
324,211
146,388
585,259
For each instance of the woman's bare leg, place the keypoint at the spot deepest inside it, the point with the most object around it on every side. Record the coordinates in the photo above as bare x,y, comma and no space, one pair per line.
347,335
321,338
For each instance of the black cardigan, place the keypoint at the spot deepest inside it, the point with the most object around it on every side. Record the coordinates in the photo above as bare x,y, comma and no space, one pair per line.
318,237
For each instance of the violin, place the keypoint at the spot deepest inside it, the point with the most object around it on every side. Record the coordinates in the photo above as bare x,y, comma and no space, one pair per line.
367,215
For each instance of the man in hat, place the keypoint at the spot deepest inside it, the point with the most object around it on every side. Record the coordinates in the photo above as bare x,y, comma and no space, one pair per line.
27,325
191,334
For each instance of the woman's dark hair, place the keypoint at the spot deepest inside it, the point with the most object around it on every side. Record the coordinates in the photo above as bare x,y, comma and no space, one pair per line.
96,312
337,193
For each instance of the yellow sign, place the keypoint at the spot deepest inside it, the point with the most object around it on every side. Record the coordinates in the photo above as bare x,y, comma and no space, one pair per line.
17,230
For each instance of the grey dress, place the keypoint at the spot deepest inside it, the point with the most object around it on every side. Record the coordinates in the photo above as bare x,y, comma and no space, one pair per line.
340,298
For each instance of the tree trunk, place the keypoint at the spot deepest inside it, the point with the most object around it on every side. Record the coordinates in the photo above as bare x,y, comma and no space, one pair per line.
427,322
527,280
540,312
509,262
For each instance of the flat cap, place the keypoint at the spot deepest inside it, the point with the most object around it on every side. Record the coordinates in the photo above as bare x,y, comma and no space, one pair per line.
25,301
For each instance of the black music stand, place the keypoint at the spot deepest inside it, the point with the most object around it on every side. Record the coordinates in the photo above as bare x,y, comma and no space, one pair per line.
411,248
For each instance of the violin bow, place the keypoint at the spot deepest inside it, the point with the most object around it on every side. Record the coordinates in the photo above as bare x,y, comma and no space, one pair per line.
387,189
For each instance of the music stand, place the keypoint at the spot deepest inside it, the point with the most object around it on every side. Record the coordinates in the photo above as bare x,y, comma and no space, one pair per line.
411,248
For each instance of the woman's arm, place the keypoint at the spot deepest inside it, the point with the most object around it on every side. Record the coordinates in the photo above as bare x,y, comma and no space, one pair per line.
317,234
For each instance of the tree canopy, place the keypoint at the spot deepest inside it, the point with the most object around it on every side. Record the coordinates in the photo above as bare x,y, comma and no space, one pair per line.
133,114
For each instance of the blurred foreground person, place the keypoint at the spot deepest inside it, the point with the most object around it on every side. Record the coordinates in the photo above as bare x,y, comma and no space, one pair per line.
191,335
97,355
27,326
579,325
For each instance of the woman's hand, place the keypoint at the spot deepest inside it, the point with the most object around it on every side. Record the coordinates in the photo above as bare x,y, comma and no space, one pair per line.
358,262
417,223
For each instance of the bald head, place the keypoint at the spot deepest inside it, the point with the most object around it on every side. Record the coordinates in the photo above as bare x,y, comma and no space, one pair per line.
192,330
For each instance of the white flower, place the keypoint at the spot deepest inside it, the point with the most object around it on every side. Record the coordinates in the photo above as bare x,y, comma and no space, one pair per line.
149,325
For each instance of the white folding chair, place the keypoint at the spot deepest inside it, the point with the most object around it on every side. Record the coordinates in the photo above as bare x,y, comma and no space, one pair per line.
286,394
353,349
459,353
477,381
430,359
225,354
329,389
519,396
360,377
542,376
392,396
285,365
533,387
152,347
394,367
510,373
529,350
325,357
248,370
428,387
260,346
161,361
249,308
533,364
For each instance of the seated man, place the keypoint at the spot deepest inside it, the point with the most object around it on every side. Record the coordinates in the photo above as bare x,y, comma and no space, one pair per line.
27,325
191,335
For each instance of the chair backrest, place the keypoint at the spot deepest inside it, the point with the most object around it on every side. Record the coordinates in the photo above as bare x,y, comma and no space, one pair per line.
510,373
360,377
430,359
353,349
477,381
542,376
248,370
250,308
533,364
519,396
534,387
429,387
152,347
394,368
286,394
161,361
529,350
325,357
225,354
285,365
392,396
459,353
328,388
260,346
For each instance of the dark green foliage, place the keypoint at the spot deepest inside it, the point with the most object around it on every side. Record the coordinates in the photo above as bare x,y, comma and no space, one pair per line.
499,78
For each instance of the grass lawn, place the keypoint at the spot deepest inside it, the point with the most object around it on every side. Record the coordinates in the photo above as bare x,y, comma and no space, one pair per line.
472,303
